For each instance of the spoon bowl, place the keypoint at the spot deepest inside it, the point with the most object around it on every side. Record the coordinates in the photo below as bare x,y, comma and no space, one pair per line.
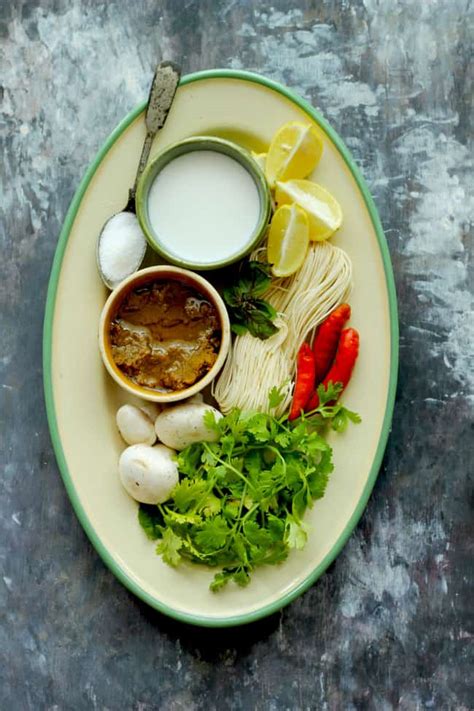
112,283
162,92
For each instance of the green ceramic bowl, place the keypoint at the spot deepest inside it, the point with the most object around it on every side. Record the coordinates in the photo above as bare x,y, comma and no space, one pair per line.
202,143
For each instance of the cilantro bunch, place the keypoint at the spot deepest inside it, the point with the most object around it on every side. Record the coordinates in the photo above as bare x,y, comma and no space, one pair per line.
240,501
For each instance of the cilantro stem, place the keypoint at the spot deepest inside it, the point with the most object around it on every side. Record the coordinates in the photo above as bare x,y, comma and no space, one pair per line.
199,554
227,465
244,494
279,455
250,511
240,521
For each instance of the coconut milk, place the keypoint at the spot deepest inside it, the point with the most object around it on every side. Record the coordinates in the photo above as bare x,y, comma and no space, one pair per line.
204,207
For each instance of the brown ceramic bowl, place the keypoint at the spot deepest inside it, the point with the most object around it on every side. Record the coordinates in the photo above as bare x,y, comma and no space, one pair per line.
146,276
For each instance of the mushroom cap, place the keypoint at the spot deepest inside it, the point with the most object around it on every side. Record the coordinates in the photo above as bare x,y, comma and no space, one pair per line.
149,474
183,424
135,426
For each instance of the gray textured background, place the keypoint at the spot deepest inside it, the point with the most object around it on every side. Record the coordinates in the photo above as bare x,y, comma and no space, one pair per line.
390,624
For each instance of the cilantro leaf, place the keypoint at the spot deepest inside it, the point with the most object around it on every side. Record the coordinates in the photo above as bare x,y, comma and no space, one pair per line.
189,459
227,443
220,580
276,527
151,520
255,535
169,547
181,518
253,462
211,505
283,439
277,554
231,509
317,482
275,397
257,426
298,505
342,418
240,549
296,533
330,393
213,534
210,421
241,577
188,492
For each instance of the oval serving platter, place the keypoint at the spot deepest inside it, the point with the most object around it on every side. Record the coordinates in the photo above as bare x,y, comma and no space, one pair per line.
81,399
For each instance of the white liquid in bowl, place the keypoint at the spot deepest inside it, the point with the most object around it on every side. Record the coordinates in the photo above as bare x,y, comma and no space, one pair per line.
204,207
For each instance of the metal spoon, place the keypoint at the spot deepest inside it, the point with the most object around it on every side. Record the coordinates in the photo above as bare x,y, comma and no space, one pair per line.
162,91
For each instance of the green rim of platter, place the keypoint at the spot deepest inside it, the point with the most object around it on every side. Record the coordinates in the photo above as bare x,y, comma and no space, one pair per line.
113,565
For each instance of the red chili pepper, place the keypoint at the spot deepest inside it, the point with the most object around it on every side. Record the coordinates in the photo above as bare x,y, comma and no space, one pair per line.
341,370
327,338
304,385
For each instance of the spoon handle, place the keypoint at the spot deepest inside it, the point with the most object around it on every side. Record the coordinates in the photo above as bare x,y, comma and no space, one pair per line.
162,91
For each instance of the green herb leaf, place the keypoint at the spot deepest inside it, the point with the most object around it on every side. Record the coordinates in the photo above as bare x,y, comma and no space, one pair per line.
257,426
276,555
241,577
342,418
239,329
211,505
330,393
181,518
189,459
210,421
275,397
213,534
169,547
255,535
249,312
151,520
296,533
298,505
188,493
276,527
220,580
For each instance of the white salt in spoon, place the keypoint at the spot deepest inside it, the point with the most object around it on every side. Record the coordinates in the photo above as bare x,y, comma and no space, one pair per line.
121,245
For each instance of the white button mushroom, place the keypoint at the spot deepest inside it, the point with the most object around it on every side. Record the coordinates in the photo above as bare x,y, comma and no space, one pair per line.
149,474
135,426
183,424
195,398
151,409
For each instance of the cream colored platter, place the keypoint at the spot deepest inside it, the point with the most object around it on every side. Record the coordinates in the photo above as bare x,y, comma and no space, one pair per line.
82,400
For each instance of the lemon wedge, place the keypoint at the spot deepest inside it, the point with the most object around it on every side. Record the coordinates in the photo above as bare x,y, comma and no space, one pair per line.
323,211
294,152
260,159
288,240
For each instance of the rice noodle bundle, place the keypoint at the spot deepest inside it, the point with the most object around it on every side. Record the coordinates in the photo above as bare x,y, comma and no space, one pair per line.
303,301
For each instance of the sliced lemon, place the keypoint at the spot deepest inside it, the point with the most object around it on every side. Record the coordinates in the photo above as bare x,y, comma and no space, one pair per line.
324,212
294,152
288,240
260,159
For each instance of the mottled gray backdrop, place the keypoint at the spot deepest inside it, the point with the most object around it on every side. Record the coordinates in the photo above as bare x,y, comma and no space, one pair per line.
390,624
